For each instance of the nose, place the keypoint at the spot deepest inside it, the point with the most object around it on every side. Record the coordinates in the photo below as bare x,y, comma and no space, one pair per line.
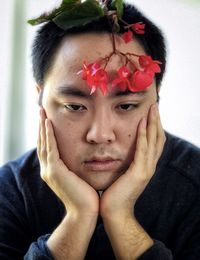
101,129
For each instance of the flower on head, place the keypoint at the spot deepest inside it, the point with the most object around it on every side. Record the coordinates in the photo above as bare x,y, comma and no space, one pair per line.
147,63
73,14
85,71
138,28
127,36
122,81
141,80
99,79
95,76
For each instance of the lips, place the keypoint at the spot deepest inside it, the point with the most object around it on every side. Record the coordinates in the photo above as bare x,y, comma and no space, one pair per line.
101,163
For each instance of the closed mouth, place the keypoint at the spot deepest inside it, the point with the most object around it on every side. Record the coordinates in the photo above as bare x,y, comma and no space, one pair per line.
101,163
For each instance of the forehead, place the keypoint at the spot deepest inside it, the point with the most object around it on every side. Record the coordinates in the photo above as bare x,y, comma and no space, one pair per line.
92,47
89,47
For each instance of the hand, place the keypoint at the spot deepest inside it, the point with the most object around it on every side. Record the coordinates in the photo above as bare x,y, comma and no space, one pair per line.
119,199
78,197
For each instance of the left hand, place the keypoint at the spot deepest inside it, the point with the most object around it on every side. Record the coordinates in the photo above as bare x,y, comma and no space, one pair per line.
119,199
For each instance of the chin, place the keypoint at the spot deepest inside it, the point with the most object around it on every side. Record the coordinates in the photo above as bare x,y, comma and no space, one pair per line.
102,182
101,187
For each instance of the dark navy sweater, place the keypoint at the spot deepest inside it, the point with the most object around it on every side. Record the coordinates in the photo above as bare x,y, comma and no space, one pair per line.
168,209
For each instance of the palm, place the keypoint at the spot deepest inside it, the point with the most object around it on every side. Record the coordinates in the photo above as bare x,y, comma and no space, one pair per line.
118,196
75,192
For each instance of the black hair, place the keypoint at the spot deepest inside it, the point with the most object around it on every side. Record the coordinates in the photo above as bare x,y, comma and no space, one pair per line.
49,37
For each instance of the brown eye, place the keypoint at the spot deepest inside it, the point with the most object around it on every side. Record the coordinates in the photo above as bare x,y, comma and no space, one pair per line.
75,107
127,107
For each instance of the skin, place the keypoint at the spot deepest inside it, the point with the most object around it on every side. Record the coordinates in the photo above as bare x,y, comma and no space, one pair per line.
111,143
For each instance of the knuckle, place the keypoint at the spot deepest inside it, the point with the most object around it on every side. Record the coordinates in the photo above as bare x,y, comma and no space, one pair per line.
144,152
43,150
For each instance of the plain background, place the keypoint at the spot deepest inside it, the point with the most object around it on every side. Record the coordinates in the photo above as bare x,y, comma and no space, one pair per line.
180,91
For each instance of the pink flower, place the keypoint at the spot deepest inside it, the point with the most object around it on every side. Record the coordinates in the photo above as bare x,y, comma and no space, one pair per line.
141,80
95,76
147,63
122,81
98,79
138,28
127,36
85,71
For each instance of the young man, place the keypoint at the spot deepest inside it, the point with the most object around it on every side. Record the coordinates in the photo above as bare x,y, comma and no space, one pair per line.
106,181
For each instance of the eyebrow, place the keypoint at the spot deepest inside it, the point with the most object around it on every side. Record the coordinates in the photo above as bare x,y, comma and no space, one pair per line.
69,90
127,93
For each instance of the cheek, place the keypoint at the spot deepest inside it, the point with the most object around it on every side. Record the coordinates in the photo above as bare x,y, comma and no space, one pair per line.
129,134
68,139
67,136
128,130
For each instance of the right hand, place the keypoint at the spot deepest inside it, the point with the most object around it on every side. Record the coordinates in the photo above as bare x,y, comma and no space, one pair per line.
78,197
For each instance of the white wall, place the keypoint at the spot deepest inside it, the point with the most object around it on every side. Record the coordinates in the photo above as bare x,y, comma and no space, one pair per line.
180,93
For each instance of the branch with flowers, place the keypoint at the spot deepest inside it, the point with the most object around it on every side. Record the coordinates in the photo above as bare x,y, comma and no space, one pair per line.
75,13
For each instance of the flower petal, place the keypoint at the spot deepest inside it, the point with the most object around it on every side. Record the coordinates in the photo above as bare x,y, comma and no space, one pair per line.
141,80
127,36
123,72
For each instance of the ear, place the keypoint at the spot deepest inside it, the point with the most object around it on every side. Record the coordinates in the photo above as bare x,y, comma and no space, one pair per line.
40,94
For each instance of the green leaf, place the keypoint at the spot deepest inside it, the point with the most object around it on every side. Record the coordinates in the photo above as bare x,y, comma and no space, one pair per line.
65,5
41,19
69,3
118,5
80,14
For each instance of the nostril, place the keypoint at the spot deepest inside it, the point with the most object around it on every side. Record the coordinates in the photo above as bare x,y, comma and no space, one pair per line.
92,142
100,132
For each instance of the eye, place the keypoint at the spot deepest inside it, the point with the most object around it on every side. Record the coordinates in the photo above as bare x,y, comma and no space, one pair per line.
127,107
75,107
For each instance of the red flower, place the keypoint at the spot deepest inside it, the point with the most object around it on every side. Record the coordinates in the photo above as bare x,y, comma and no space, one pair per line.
141,80
147,63
98,79
123,79
86,70
127,36
138,28
144,78
95,76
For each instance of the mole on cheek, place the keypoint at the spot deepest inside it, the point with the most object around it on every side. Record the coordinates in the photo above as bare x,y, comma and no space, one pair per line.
129,135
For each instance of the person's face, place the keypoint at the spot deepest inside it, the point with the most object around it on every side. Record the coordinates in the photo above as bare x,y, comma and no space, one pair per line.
96,134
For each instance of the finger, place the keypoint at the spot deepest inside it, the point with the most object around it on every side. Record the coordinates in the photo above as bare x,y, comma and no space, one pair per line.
161,138
39,140
152,129
140,157
43,152
51,145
